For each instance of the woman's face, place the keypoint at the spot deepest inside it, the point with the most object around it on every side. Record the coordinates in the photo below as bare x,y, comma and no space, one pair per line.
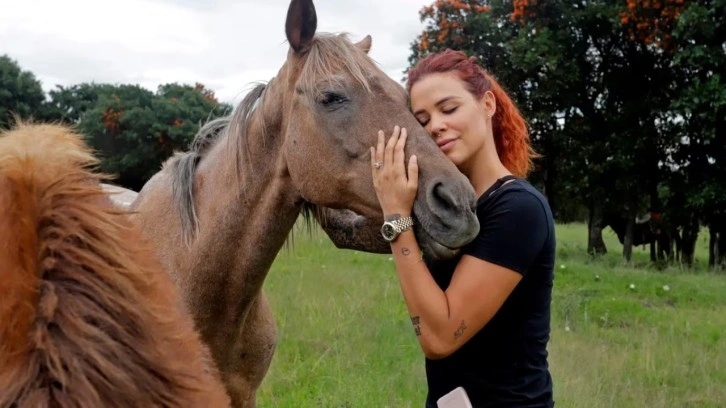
459,122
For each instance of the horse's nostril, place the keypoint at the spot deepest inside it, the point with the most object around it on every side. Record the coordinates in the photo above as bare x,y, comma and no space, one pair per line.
443,197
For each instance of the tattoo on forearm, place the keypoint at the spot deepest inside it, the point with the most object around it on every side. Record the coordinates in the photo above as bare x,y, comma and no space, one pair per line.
392,217
405,251
416,320
460,330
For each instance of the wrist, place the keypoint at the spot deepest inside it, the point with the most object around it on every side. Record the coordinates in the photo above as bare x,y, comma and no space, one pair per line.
393,215
394,225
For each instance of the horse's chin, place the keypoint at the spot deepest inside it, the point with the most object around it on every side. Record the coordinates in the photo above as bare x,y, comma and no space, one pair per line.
432,248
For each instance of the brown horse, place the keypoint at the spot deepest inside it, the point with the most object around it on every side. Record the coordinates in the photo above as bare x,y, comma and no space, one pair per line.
88,318
219,214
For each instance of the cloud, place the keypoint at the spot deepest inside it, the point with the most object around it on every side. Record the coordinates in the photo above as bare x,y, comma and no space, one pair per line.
224,44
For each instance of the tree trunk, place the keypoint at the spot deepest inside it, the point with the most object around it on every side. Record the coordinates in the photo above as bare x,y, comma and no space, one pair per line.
549,190
595,243
712,241
656,249
717,247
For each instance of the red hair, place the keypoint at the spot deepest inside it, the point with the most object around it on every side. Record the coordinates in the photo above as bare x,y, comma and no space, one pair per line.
511,137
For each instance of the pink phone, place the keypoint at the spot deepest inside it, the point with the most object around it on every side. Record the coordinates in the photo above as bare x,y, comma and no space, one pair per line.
455,399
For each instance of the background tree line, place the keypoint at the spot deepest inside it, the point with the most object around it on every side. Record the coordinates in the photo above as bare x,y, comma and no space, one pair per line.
626,102
133,129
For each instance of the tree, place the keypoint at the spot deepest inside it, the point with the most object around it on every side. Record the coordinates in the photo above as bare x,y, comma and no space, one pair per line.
69,104
592,78
698,153
20,93
135,130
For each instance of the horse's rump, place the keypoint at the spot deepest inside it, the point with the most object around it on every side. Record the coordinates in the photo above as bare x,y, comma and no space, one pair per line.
87,316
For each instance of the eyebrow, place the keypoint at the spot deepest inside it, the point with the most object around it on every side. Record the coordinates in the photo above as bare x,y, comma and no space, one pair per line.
441,102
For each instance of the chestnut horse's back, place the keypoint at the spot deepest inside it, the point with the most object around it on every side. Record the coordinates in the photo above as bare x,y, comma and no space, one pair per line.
87,316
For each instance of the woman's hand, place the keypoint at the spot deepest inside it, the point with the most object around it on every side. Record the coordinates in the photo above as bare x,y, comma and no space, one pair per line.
395,188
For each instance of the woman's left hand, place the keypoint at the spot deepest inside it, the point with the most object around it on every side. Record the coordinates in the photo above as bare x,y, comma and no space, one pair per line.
396,189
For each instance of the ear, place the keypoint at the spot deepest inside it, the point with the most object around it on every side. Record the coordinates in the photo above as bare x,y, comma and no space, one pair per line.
301,23
489,103
365,44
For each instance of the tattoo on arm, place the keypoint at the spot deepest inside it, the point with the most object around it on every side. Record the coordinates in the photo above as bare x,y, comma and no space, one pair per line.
460,330
405,251
416,320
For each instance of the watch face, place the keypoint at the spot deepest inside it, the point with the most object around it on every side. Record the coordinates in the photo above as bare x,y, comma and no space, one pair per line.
388,232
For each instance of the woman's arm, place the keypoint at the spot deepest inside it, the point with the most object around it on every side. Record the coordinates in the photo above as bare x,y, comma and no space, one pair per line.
445,320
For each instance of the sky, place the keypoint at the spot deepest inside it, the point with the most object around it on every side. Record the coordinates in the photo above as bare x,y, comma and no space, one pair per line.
228,45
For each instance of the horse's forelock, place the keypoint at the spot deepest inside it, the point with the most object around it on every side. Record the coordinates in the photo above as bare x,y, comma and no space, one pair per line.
328,54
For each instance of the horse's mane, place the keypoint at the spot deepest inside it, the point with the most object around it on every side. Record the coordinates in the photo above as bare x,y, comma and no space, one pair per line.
88,318
184,165
328,53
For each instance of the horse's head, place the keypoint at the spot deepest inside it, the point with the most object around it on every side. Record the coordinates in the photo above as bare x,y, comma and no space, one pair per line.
336,99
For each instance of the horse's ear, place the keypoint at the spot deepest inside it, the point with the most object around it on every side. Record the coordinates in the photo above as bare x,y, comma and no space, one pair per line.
301,23
365,44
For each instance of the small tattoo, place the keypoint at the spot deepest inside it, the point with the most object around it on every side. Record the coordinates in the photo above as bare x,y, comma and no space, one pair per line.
392,217
416,320
460,330
405,251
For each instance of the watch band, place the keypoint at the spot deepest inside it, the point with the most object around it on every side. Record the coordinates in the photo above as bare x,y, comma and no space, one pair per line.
404,223
392,229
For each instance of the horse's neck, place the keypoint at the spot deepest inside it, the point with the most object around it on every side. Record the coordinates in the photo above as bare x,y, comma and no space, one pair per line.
244,219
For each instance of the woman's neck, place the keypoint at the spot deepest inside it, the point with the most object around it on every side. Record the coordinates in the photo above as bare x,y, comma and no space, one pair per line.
485,170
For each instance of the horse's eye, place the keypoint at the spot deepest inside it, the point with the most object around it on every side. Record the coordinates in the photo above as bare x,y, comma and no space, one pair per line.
332,100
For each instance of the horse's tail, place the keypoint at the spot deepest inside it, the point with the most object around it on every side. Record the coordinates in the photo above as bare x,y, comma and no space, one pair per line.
87,315
33,170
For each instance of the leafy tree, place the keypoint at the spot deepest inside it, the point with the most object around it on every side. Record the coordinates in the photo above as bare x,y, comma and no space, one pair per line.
594,79
20,92
69,104
697,155
135,130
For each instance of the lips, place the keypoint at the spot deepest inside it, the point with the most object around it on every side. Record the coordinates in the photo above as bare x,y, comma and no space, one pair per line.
446,144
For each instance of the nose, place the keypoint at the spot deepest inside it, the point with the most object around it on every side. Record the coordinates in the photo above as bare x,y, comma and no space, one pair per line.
454,209
436,125
442,198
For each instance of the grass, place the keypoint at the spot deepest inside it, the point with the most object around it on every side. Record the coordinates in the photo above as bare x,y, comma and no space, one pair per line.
622,335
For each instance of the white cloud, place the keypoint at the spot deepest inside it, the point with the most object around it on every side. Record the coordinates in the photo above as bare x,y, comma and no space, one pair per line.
224,44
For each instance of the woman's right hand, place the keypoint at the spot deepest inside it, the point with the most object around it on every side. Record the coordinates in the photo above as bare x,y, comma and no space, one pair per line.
395,187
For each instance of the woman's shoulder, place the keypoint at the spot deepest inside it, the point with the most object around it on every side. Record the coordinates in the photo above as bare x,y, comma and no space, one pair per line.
514,196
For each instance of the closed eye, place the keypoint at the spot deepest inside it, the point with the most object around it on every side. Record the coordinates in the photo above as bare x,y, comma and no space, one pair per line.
450,110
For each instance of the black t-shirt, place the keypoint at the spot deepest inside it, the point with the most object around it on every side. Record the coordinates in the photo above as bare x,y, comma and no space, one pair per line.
505,363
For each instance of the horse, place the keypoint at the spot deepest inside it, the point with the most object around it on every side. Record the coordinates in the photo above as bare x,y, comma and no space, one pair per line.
219,213
88,317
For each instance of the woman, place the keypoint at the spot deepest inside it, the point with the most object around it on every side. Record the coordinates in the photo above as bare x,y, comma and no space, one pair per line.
482,319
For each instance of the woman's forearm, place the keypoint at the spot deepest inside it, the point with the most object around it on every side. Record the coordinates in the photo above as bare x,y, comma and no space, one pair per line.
427,304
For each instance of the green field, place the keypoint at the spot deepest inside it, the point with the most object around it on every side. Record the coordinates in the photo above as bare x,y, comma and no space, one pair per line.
345,339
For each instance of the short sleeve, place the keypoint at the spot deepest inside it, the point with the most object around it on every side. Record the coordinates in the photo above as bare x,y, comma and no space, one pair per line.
513,230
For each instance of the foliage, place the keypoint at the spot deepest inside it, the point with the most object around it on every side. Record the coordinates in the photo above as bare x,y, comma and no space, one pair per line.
133,129
624,99
21,94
